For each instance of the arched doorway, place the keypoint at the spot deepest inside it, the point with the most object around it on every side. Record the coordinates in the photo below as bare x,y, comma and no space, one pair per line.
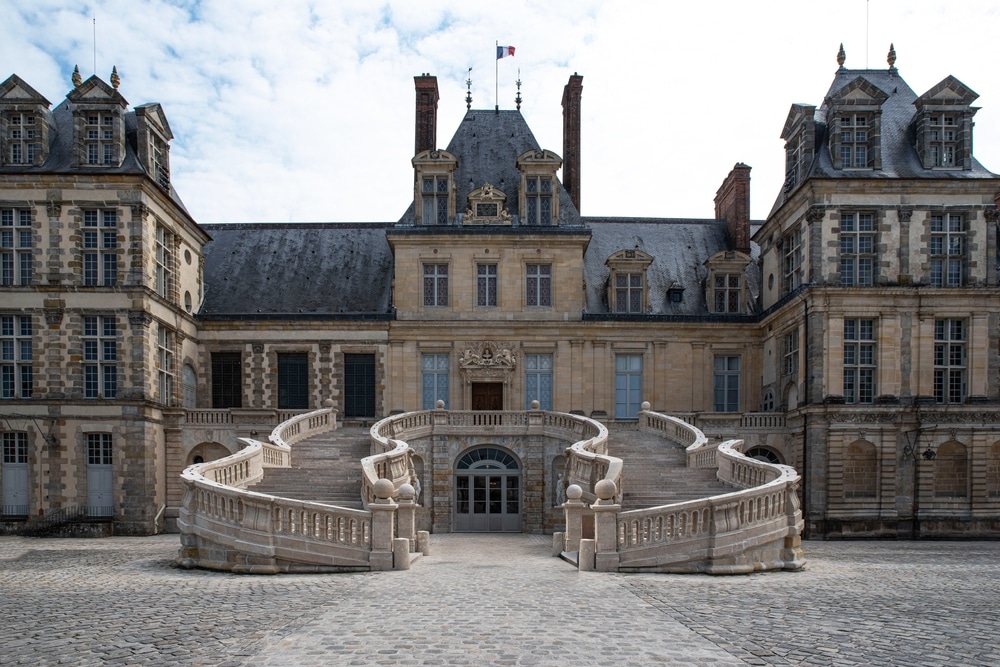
487,491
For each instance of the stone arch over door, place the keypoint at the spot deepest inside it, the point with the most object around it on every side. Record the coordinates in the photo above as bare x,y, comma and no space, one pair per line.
206,451
488,491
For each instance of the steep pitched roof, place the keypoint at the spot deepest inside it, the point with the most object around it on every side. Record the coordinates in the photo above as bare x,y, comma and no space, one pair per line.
300,270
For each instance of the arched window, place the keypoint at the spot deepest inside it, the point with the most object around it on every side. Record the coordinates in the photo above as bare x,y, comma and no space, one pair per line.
860,470
993,472
951,474
763,454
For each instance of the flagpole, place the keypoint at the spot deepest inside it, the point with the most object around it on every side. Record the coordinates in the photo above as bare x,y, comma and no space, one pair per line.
496,77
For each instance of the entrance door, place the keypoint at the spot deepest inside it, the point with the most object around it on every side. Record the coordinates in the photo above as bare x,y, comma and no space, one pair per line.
15,474
100,480
359,385
487,492
487,395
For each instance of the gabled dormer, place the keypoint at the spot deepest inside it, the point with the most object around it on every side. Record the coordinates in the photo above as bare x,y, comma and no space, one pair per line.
943,125
98,123
799,134
153,137
539,204
487,206
434,187
854,119
725,288
24,124
628,288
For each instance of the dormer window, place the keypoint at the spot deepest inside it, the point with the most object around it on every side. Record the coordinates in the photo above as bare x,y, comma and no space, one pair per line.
726,284
854,141
23,138
99,139
24,124
152,141
434,194
539,203
628,291
943,125
942,138
855,113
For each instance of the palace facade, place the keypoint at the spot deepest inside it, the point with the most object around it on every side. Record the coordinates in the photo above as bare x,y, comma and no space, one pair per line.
853,334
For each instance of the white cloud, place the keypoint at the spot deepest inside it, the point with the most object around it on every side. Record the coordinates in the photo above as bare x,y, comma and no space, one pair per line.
304,111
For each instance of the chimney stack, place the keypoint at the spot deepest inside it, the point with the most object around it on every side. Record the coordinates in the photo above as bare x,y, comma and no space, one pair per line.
425,130
571,138
732,204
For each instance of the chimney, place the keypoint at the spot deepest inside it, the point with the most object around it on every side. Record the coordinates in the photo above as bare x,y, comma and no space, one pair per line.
571,138
732,204
425,130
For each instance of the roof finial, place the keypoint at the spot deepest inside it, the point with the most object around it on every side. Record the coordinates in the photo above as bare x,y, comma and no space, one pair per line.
77,79
841,56
115,79
518,98
892,56
468,95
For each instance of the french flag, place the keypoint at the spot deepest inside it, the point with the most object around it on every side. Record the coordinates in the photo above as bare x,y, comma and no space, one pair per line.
504,51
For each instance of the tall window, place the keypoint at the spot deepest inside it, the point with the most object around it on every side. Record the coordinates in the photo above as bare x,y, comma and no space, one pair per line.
853,141
434,368
165,364
727,384
857,249
100,357
943,135
164,262
15,246
100,481
435,284
628,386
949,361
726,289
22,138
792,353
538,380
99,139
227,380
538,285
792,260
859,361
947,250
628,293
16,373
486,284
293,381
100,247
434,198
14,465
538,200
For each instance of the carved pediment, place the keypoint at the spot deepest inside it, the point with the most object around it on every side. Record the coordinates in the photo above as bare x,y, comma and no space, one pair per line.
153,113
489,356
948,92
487,206
858,93
14,89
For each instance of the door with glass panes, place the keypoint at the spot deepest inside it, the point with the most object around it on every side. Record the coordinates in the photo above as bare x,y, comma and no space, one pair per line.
487,492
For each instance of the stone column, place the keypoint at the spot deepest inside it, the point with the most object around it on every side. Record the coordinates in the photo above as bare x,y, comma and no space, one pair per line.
406,514
573,508
383,517
606,526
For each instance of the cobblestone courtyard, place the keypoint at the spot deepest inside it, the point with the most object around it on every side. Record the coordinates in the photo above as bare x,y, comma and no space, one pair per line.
498,600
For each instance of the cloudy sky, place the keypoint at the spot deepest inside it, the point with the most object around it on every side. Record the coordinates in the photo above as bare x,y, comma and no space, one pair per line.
302,110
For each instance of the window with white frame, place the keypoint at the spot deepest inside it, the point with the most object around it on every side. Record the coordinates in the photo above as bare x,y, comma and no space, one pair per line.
854,140
435,284
434,380
859,360
791,356
23,135
14,464
165,364
538,200
943,140
100,247
164,262
947,250
538,285
726,291
16,354
100,357
15,246
726,385
434,200
100,479
857,249
538,381
950,360
486,284
792,260
628,386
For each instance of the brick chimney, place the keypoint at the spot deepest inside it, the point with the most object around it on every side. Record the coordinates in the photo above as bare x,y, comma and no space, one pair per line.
732,204
571,138
425,130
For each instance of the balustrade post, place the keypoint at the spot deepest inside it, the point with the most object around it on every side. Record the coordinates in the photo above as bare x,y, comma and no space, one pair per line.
406,515
606,526
383,511
573,509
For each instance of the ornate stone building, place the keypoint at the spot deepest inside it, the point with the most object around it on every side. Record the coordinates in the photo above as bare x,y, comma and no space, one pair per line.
853,334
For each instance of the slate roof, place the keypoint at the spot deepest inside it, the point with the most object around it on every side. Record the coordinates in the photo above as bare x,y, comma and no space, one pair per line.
300,270
487,144
679,247
898,139
60,160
